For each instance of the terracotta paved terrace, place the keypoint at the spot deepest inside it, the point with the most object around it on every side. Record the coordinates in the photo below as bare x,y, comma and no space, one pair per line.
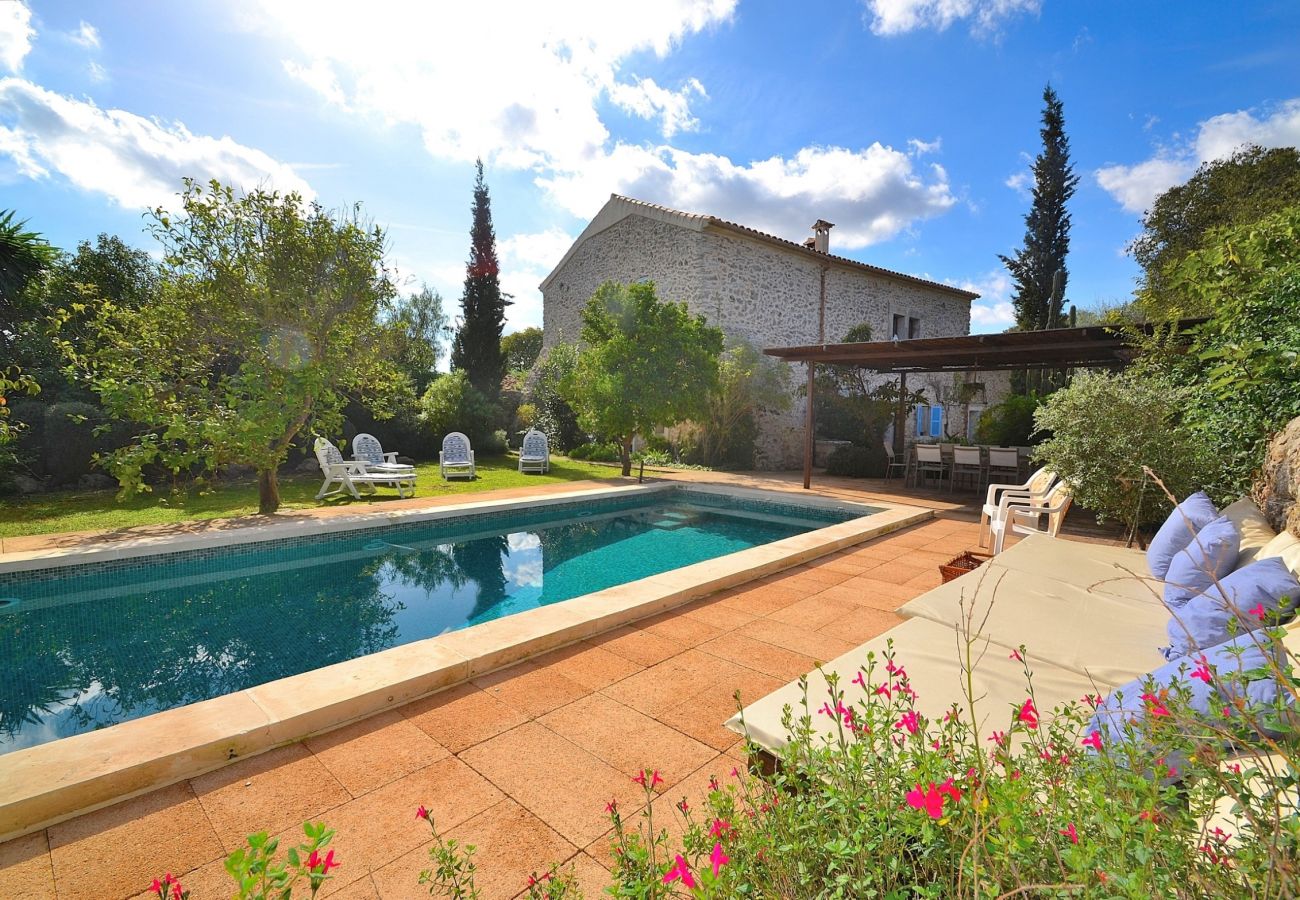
519,763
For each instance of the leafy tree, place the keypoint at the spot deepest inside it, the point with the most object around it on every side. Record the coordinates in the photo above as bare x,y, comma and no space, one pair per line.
521,348
646,364
268,316
750,385
418,328
452,403
477,347
1246,187
852,404
24,256
1047,227
1244,364
1105,427
553,415
1009,423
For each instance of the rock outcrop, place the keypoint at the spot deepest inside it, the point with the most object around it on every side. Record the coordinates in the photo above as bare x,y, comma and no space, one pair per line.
1278,485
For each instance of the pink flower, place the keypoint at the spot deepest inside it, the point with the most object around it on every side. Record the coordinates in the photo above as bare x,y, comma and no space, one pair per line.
859,680
713,784
314,861
1015,654
684,806
1093,740
735,773
1202,671
1069,832
882,689
929,800
611,807
950,790
654,778
1155,705
680,871
999,738
422,813
718,859
1093,700
534,880
720,828
177,892
909,721
1028,714
1259,612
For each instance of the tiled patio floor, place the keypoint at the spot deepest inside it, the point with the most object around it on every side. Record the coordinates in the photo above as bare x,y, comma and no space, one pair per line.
519,763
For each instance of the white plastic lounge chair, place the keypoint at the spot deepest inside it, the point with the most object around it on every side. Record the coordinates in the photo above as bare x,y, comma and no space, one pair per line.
1034,489
366,447
1022,517
456,457
535,452
349,474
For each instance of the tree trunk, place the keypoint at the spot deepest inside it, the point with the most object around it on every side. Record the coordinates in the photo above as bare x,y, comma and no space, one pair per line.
268,492
626,455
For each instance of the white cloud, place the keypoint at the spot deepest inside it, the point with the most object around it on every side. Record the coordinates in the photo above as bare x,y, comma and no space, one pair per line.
1021,183
539,250
1136,187
871,195
993,311
98,73
535,105
648,100
86,35
918,147
320,77
137,162
893,17
16,35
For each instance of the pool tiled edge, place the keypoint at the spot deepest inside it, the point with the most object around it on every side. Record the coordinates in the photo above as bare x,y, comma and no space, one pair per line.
42,785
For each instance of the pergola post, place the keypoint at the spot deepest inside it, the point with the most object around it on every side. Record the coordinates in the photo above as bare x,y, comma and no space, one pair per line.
808,430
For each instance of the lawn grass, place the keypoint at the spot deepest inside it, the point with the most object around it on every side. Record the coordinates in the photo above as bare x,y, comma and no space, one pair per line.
96,510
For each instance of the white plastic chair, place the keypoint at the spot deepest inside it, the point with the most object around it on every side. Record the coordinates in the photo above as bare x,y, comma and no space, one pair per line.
1033,490
456,456
366,447
350,474
534,452
1022,517
893,462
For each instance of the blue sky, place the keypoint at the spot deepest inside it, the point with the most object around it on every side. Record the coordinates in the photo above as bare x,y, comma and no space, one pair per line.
908,123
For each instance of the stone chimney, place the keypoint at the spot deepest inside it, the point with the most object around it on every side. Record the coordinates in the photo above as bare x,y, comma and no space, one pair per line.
821,240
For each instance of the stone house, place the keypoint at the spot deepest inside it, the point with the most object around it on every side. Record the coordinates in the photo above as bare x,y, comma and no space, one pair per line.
755,286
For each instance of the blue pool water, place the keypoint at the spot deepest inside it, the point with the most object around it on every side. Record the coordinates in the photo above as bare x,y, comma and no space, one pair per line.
88,646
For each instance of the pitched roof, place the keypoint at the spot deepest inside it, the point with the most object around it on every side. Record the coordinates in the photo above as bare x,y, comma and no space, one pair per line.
619,207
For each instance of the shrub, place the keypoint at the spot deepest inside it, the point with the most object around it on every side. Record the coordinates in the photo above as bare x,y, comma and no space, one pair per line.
857,461
1009,423
71,441
596,452
453,404
1105,428
553,414
749,386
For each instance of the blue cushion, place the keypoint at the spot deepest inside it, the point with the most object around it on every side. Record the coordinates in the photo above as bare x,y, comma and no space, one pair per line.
1210,555
1188,517
1206,619
1207,699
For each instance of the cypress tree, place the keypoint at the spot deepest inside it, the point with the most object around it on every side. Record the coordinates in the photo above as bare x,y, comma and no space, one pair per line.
477,346
1047,227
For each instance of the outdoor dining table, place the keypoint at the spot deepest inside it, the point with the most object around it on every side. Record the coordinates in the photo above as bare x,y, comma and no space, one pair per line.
946,454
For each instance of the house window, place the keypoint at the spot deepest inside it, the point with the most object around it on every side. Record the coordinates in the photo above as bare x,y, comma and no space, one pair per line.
973,413
900,328
913,327
929,421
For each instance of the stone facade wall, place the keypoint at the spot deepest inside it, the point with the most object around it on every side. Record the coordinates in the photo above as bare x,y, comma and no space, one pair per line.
752,290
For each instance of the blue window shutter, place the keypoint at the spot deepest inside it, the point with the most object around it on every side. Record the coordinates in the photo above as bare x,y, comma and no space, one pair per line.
920,421
936,420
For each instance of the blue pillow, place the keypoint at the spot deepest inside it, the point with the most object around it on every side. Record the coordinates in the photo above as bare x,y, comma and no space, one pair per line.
1207,699
1205,620
1210,555
1188,517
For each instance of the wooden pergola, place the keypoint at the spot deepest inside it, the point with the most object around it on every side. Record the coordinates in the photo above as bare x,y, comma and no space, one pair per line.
1091,346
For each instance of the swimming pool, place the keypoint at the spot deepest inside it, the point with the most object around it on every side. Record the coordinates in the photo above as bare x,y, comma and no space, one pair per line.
87,646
